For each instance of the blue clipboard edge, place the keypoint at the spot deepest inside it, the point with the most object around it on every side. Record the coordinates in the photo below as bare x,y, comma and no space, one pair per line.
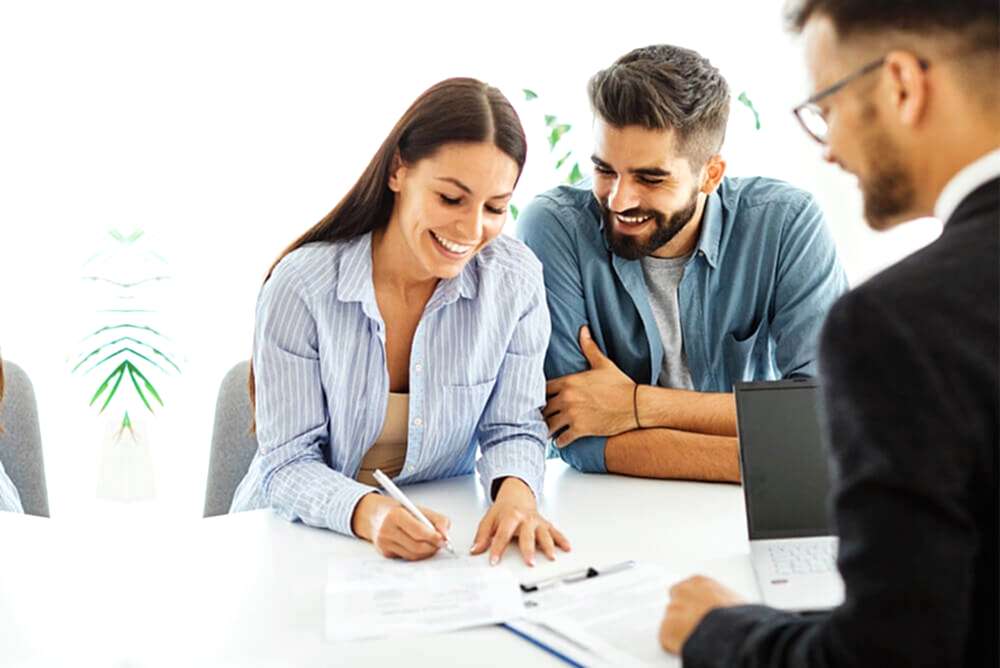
541,645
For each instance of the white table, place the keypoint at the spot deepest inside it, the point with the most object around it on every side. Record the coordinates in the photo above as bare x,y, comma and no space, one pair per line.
247,589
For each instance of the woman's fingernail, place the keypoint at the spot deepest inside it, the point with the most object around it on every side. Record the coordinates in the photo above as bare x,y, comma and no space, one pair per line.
494,560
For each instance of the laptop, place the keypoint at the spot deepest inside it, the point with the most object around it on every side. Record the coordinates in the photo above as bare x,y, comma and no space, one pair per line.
786,484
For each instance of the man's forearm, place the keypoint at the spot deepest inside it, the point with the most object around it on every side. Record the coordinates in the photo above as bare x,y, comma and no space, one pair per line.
685,410
669,453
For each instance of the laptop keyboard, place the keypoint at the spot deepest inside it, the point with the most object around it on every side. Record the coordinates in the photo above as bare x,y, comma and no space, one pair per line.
803,558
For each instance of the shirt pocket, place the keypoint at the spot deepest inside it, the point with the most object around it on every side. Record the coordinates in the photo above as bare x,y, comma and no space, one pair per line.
463,406
741,355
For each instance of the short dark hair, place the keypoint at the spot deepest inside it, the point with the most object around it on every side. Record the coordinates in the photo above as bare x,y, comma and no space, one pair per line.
977,20
663,87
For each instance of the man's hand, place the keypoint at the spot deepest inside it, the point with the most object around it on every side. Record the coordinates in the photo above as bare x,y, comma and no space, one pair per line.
590,403
690,601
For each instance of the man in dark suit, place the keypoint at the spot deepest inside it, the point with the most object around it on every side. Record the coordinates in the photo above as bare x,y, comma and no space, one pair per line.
908,100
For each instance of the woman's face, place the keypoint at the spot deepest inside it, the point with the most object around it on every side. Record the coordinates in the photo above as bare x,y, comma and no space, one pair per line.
451,204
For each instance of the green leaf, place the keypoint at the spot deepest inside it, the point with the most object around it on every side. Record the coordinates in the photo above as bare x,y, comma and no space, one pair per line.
126,424
549,120
575,175
107,328
125,350
513,211
562,160
119,371
114,390
745,100
557,134
138,389
98,350
149,386
529,95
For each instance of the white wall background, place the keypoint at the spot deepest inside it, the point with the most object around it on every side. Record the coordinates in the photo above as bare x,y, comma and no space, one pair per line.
225,129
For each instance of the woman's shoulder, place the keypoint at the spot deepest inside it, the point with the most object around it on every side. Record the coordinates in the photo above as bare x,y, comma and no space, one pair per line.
312,268
511,259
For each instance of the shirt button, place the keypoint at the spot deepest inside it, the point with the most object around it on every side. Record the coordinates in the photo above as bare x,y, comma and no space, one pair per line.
418,422
418,367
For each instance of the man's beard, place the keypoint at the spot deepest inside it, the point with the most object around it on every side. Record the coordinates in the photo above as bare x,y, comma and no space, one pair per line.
887,189
665,229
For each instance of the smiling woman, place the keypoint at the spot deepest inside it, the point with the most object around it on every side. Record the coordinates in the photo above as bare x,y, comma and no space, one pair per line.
401,332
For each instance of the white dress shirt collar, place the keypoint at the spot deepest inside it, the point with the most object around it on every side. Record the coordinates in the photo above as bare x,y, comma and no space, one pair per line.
964,182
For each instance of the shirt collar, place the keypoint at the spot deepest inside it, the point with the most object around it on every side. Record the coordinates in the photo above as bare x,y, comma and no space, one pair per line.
355,282
965,182
465,285
354,272
710,235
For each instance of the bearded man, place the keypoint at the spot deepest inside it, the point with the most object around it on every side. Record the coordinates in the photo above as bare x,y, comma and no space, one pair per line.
668,282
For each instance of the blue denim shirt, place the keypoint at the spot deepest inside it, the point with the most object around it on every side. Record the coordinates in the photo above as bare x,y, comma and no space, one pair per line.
752,300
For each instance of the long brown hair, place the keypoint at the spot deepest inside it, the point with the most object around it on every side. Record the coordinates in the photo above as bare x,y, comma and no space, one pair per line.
458,110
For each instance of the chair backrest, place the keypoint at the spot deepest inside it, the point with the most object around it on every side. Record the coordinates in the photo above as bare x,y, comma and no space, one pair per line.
233,444
21,441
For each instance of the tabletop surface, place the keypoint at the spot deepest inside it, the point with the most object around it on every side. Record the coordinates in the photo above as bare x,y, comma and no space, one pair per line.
248,589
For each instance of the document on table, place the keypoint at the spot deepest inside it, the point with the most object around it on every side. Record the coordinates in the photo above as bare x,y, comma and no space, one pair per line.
378,597
611,619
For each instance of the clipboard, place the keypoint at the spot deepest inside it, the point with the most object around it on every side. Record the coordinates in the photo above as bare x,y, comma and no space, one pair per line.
551,641
563,611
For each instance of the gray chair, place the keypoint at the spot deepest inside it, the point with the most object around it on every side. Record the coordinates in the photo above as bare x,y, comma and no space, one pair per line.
233,444
21,441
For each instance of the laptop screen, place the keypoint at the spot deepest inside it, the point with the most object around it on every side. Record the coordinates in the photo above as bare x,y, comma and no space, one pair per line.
782,458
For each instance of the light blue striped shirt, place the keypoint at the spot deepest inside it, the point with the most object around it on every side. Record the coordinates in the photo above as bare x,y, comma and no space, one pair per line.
476,378
10,500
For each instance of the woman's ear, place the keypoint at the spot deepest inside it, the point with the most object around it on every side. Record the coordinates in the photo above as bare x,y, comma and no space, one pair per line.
397,172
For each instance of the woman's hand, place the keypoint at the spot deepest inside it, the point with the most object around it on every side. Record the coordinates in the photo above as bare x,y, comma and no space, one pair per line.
395,532
515,513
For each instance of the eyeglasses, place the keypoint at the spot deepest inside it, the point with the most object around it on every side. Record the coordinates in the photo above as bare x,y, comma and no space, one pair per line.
810,116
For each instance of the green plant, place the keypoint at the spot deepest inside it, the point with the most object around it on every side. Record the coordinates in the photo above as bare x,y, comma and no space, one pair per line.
556,132
744,99
125,348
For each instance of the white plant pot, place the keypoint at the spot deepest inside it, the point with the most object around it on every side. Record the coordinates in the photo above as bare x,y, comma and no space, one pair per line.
125,470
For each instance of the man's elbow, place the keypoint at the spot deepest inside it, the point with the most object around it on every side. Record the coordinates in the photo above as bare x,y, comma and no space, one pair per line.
586,454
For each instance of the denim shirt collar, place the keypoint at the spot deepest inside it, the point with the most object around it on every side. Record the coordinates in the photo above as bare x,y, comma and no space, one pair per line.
711,230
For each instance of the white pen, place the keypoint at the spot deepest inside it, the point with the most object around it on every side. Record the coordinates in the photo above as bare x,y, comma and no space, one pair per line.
383,480
576,576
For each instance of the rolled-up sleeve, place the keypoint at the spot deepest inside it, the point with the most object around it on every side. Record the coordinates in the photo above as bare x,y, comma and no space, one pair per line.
511,432
292,418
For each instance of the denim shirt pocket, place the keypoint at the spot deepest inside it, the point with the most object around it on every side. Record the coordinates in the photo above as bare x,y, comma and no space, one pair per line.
740,356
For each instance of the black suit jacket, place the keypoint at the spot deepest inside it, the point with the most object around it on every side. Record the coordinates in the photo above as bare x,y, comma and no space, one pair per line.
909,365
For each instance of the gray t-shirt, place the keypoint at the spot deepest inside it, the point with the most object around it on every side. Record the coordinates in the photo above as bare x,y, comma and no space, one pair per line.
663,276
